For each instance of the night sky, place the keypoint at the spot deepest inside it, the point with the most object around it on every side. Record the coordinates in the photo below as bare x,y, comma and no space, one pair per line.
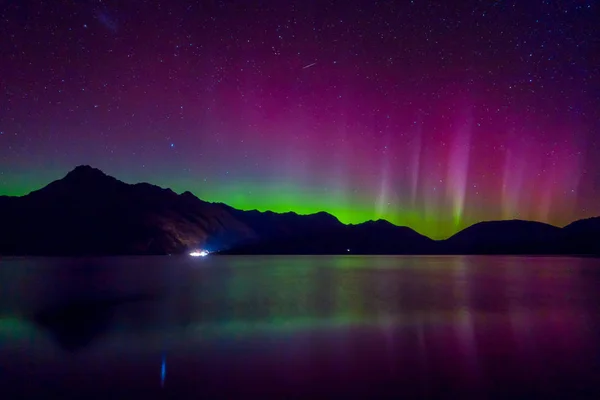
431,114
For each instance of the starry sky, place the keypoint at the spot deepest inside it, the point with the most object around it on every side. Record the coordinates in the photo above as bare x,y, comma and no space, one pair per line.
431,114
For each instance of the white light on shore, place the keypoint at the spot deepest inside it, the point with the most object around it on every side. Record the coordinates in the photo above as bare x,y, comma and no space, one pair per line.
199,253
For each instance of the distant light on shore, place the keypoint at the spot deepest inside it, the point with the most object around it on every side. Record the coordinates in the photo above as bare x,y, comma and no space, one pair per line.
199,253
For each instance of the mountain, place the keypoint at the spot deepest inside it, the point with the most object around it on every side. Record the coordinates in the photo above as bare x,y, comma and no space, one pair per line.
273,225
504,237
581,237
90,213
373,237
485,238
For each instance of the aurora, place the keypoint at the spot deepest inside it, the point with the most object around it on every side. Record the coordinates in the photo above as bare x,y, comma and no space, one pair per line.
451,117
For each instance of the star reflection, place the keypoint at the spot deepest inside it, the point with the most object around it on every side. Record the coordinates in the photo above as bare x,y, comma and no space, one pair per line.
163,371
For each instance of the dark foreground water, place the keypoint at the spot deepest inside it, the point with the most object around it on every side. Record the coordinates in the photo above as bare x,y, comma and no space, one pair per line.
300,327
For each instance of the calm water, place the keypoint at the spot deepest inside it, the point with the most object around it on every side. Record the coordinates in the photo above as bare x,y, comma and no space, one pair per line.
261,327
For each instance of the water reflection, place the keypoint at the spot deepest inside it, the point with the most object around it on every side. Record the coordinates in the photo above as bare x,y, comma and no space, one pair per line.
76,324
163,371
421,326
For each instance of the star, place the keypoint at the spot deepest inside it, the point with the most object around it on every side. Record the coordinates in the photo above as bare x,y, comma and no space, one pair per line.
299,98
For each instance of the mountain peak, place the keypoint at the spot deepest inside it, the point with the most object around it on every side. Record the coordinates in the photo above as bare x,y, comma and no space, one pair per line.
188,194
378,223
86,171
87,176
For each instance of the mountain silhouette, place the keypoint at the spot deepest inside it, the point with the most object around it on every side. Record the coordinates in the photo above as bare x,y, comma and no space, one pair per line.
373,237
90,213
582,236
503,237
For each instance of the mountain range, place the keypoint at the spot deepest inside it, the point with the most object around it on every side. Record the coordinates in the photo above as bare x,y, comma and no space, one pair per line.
90,213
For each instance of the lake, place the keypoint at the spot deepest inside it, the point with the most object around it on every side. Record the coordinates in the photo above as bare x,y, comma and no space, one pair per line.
300,327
